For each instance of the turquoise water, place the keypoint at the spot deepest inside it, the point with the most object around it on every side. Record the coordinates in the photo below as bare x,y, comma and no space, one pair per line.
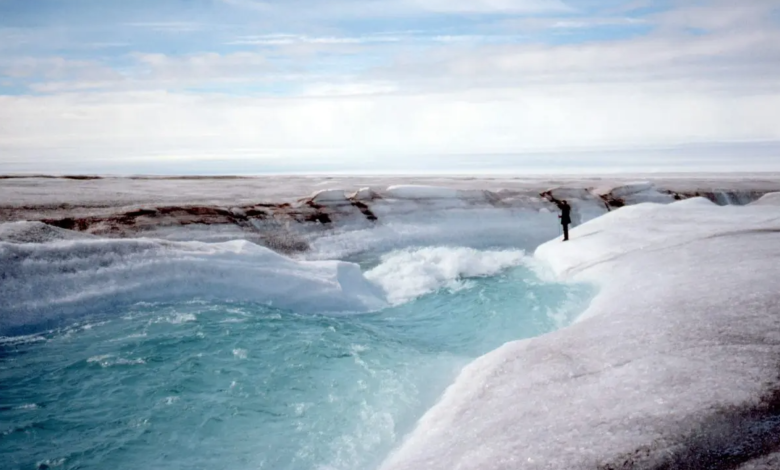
220,385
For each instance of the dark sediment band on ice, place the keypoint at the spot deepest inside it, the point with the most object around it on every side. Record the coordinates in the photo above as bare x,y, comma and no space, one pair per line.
245,217
65,177
325,208
263,223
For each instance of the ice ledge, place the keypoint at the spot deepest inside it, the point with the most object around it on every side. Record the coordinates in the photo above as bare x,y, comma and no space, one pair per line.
105,207
770,199
674,365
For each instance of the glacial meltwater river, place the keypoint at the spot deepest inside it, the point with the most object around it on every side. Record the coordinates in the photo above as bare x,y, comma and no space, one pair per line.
205,384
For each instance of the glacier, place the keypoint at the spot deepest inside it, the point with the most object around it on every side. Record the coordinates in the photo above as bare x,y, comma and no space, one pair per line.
673,364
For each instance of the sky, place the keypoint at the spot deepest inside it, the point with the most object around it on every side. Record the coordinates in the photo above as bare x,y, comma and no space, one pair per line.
388,86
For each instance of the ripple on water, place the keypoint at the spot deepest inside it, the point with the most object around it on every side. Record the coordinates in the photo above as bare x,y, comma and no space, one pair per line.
176,383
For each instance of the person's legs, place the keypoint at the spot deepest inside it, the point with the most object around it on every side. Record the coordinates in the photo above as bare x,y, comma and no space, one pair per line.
565,232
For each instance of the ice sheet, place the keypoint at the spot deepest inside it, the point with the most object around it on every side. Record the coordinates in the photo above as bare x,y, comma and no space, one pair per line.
682,340
674,365
488,212
42,195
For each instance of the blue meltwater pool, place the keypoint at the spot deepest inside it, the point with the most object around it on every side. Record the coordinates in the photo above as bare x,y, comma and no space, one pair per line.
199,384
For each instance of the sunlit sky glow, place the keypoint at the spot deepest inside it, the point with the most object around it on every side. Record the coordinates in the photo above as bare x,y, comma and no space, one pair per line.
250,86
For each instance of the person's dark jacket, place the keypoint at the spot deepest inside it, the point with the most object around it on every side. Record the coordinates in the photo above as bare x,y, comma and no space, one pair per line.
565,213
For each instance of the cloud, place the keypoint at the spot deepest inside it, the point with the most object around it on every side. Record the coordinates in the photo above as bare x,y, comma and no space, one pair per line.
172,26
354,88
595,22
205,67
395,8
574,81
720,15
489,6
738,59
55,68
143,72
498,120
281,39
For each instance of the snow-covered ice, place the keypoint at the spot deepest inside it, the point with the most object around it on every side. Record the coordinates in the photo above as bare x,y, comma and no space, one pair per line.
408,191
273,212
329,196
96,196
675,361
364,194
770,199
47,282
674,365
36,232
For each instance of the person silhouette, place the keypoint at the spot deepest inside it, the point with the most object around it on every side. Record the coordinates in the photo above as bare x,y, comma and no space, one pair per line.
565,218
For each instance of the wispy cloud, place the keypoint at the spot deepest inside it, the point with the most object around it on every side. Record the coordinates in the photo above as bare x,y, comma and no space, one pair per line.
54,68
721,15
204,66
595,22
280,39
490,6
738,59
172,26
145,72
348,88
382,8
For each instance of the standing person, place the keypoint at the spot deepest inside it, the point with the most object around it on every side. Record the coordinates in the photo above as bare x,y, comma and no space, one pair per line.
565,218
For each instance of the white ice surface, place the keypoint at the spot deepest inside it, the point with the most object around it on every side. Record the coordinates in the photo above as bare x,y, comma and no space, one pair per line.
47,193
329,196
36,232
686,324
771,199
409,191
486,212
364,194
627,188
638,192
49,281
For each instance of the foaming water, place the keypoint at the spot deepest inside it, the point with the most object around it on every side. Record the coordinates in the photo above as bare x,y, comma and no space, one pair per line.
410,273
218,384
